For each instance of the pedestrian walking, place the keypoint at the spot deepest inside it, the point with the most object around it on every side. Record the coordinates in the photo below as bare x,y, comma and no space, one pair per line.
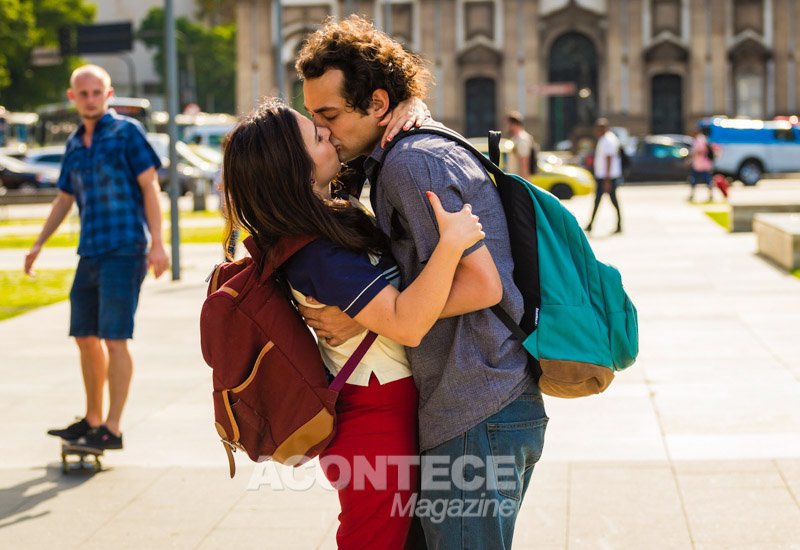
607,170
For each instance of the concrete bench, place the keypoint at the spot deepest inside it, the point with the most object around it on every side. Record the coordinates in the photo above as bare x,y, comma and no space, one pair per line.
744,205
779,238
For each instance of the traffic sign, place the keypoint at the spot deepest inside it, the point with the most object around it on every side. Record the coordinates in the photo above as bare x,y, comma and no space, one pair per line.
88,39
554,88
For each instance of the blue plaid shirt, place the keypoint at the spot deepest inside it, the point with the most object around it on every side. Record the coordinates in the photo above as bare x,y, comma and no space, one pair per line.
102,178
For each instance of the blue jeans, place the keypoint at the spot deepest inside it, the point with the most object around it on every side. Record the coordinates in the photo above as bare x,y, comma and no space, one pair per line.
489,468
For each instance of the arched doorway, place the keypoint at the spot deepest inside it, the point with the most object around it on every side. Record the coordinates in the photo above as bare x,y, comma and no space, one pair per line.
666,108
573,58
481,106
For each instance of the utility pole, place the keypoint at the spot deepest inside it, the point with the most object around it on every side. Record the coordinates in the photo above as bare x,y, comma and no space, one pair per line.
172,109
277,48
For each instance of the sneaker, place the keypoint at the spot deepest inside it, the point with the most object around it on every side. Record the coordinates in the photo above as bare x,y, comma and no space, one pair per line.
72,432
99,439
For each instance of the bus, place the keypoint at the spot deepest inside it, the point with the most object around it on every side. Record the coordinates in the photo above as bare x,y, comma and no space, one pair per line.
58,120
197,128
16,130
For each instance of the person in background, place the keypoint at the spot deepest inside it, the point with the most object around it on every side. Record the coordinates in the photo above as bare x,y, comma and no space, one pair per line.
607,170
525,147
702,164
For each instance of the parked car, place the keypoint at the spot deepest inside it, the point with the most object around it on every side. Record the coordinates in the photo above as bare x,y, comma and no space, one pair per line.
17,174
659,158
208,154
191,166
747,149
49,157
562,180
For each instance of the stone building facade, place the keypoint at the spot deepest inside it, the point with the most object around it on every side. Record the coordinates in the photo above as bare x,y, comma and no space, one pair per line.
653,66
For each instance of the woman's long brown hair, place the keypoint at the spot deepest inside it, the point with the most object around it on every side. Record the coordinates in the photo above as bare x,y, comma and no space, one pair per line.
267,174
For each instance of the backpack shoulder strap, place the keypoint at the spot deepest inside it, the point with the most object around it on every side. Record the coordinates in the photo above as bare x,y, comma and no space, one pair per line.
283,250
494,146
504,183
490,166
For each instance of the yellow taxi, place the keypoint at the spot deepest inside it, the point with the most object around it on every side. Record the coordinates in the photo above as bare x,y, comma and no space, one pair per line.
562,180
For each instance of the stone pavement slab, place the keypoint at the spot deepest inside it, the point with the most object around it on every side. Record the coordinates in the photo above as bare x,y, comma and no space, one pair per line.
696,446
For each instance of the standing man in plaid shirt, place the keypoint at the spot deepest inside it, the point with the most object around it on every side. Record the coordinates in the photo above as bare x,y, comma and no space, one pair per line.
109,169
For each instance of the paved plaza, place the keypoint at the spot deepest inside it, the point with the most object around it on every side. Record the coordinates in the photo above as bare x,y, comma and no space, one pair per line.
695,446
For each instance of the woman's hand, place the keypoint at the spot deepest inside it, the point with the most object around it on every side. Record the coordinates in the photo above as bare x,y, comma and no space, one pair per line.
409,112
459,229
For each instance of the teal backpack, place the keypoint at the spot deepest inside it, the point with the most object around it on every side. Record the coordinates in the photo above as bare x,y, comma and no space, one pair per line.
579,326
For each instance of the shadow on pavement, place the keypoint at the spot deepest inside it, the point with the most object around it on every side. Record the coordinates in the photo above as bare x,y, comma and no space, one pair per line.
30,493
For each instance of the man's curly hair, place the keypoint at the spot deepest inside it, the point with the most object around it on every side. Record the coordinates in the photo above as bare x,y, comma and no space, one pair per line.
369,59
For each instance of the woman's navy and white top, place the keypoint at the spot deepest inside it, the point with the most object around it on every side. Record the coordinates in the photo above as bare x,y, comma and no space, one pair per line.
335,276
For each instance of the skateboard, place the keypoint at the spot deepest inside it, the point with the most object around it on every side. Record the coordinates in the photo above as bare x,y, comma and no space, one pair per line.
69,449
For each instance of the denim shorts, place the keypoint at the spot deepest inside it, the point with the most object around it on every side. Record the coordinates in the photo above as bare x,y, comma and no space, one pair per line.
104,296
696,177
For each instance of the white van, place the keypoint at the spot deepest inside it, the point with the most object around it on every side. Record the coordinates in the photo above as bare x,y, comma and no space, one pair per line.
210,135
746,149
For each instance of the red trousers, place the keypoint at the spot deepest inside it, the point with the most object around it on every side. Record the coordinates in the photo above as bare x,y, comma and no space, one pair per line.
376,429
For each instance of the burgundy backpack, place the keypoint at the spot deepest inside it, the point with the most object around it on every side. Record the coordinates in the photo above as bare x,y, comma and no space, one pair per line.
272,398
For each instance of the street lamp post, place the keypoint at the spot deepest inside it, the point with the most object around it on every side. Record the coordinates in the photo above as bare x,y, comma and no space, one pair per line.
172,109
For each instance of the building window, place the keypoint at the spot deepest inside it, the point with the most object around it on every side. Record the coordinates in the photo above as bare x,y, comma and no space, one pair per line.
479,20
667,17
403,23
481,107
573,59
397,18
749,88
748,15
666,108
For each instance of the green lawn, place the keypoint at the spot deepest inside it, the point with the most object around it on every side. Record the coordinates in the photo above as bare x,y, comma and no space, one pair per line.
189,235
19,293
184,215
22,221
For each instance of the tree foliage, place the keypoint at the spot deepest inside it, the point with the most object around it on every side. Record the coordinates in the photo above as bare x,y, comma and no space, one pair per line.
216,12
211,51
24,25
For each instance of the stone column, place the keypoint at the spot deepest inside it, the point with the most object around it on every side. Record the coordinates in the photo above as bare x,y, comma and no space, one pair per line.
452,87
610,98
720,16
792,74
255,68
638,88
535,71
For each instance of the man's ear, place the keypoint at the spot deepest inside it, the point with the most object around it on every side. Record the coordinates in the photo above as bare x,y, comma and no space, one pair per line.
70,94
380,103
110,92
